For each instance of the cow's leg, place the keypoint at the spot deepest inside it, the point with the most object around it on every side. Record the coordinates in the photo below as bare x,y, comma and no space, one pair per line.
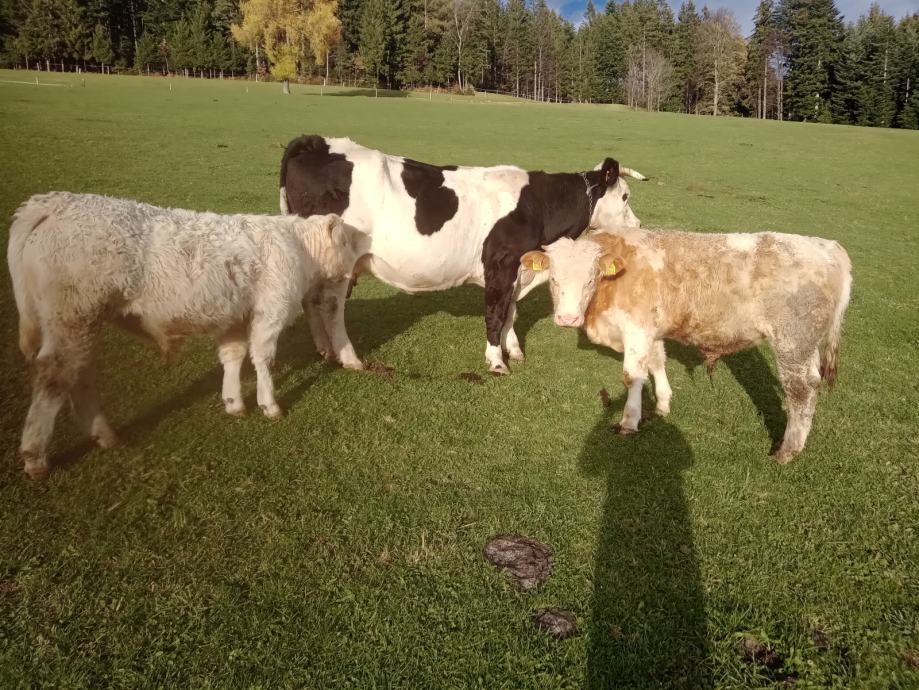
800,378
263,342
636,359
500,277
84,399
332,309
232,351
312,305
508,336
662,390
63,354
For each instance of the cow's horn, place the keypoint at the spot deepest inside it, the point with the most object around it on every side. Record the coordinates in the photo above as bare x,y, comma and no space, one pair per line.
628,172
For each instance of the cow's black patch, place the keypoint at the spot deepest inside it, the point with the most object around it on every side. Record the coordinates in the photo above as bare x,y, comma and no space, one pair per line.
551,206
316,180
434,203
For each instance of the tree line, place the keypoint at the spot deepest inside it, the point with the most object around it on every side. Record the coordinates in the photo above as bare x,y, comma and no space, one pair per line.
801,61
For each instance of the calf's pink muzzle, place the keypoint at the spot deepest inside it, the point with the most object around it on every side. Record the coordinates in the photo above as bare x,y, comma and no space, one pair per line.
568,320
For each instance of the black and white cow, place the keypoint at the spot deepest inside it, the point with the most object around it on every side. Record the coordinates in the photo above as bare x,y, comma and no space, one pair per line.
433,227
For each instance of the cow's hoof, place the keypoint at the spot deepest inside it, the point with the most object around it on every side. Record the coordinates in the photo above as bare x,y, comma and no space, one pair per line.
34,465
234,407
499,369
662,410
784,457
106,439
623,430
515,354
272,411
353,365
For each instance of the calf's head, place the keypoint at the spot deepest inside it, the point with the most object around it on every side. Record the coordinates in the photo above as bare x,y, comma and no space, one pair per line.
334,245
575,269
610,195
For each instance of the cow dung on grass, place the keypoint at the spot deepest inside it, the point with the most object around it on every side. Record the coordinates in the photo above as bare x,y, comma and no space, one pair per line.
556,622
527,561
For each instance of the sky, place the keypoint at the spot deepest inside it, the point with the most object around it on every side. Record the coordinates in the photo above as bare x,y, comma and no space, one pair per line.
573,10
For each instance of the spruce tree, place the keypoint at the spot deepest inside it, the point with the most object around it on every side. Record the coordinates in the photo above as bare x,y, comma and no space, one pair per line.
815,35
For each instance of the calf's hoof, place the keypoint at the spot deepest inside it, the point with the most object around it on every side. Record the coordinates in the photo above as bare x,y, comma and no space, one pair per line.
353,364
783,457
499,368
106,439
515,354
272,411
36,466
623,430
662,410
234,407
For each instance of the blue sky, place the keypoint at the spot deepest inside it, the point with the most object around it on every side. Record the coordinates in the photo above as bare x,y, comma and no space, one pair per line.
744,9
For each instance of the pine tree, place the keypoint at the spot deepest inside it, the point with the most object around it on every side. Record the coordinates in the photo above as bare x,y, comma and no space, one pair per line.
759,55
101,46
686,69
815,34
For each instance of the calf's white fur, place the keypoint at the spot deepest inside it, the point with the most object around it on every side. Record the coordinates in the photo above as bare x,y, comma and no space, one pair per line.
78,260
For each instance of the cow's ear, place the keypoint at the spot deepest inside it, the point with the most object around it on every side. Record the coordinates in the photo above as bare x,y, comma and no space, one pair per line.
611,266
610,171
336,229
535,261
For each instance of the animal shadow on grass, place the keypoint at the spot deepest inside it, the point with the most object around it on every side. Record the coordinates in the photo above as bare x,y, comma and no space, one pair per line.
647,625
752,372
207,385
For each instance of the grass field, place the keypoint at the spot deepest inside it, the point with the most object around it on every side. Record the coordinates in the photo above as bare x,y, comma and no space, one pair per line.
342,546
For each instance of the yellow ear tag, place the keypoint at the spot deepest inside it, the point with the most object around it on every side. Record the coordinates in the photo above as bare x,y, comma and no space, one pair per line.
537,264
610,269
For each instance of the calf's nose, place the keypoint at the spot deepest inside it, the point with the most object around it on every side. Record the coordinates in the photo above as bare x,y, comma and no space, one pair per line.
567,320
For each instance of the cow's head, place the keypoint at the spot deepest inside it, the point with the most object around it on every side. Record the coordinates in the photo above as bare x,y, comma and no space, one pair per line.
575,268
612,208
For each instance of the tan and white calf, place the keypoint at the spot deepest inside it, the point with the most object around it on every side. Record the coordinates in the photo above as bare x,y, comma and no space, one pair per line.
78,260
630,289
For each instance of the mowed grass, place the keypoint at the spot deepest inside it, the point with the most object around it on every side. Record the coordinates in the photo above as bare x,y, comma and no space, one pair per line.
342,546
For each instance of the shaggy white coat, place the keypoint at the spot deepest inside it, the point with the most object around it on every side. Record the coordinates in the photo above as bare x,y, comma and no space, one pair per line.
78,260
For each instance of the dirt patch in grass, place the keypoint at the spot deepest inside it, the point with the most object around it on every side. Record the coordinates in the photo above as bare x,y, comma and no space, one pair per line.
472,377
384,372
820,639
527,561
911,657
604,398
8,587
752,651
556,622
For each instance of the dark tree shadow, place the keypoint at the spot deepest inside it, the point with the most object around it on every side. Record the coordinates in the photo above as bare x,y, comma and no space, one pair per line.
647,625
752,371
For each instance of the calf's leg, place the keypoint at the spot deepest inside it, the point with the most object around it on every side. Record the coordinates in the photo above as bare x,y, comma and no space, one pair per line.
332,309
312,305
263,341
63,354
635,362
232,351
800,378
509,337
84,399
662,390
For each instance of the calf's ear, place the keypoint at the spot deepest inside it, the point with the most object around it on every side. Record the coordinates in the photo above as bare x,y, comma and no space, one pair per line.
336,229
611,266
535,261
610,170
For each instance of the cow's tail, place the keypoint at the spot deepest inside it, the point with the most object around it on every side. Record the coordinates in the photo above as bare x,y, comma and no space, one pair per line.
829,348
301,144
27,217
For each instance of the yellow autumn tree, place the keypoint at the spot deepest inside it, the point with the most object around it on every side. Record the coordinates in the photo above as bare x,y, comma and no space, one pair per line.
286,30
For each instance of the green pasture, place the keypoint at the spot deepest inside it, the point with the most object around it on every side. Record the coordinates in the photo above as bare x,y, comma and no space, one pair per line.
342,545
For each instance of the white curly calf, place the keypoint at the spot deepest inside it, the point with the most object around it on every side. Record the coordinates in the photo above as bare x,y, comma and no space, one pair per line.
78,260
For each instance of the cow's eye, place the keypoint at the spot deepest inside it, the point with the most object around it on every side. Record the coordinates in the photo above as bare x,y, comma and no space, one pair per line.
625,197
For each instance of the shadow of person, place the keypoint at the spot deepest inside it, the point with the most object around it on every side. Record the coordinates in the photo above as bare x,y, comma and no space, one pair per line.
647,626
752,372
